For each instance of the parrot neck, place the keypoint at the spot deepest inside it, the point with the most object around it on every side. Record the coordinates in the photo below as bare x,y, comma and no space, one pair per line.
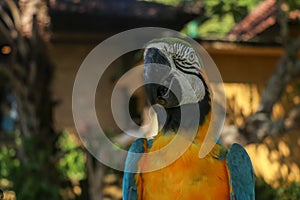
173,119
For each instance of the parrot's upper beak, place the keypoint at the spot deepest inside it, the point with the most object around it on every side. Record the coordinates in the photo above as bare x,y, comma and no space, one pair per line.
160,84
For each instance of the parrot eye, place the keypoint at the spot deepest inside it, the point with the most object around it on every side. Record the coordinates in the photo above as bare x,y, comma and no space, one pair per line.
191,56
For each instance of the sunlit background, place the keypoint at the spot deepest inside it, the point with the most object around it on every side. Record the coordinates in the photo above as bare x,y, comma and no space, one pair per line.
254,43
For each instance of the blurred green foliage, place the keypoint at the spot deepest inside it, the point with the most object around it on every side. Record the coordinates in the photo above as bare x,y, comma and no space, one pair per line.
221,15
218,18
9,162
286,191
289,192
216,26
263,190
293,4
72,164
25,179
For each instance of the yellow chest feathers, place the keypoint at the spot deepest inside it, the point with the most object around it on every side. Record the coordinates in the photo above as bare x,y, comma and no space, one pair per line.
189,177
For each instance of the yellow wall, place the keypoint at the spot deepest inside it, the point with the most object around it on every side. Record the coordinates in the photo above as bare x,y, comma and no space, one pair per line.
68,58
277,158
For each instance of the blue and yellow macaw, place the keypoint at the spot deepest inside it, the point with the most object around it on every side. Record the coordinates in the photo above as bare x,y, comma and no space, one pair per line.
221,174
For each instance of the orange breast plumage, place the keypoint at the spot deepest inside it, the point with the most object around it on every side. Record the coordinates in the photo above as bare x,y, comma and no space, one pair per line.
189,177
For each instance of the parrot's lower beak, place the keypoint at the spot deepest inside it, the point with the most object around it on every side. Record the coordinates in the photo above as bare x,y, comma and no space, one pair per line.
160,84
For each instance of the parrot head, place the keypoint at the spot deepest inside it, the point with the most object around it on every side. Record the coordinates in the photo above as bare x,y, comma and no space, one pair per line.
174,76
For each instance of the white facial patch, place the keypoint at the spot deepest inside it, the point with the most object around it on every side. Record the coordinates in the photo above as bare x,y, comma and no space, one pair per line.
192,87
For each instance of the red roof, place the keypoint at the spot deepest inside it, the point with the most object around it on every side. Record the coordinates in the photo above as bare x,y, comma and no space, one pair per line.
261,18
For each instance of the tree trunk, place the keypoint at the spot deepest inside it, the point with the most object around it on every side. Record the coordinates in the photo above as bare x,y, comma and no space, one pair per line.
30,73
96,172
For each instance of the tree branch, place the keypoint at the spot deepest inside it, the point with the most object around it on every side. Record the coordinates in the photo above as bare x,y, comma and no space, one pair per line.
282,19
3,27
292,121
260,125
15,13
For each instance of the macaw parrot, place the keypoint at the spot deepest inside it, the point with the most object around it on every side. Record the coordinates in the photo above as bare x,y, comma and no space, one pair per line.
222,174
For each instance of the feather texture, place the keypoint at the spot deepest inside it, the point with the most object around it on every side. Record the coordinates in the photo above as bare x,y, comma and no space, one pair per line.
241,176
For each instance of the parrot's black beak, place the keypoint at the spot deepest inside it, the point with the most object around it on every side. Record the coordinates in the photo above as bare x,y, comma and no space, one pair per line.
160,84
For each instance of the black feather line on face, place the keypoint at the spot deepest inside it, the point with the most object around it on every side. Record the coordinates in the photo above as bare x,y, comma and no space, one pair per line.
195,74
178,64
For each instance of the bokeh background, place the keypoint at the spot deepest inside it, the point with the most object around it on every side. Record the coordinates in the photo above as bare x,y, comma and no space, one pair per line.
254,43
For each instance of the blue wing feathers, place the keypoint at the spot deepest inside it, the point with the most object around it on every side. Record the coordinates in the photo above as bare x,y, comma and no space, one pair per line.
129,186
240,173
